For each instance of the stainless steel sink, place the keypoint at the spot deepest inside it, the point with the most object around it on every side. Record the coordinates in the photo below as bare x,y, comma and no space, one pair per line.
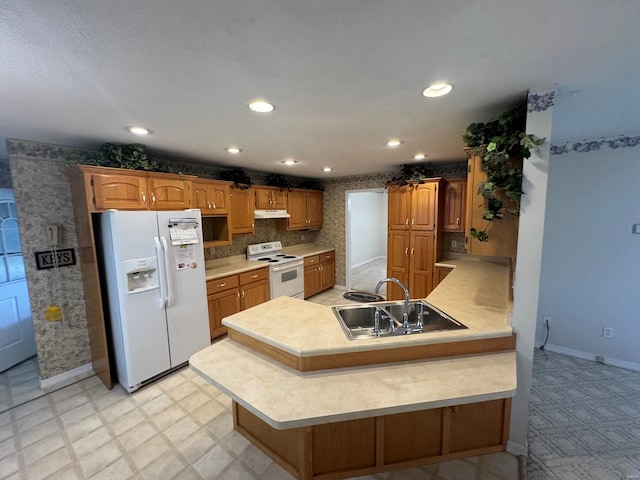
358,321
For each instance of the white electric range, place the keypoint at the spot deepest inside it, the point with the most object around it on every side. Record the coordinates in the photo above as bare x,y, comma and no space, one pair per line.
286,272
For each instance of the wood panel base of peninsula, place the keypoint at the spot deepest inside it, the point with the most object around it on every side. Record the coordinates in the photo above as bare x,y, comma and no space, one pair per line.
379,444
372,357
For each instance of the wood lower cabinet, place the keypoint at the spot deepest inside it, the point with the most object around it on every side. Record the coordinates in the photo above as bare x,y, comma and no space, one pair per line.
233,293
305,208
440,274
503,233
413,242
377,444
319,273
242,206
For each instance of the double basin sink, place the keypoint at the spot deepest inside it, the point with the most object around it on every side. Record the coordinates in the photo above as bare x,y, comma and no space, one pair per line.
359,321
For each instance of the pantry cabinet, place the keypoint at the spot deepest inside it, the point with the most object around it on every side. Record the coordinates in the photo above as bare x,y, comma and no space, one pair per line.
270,198
233,293
503,233
242,206
211,197
305,208
455,192
319,273
413,241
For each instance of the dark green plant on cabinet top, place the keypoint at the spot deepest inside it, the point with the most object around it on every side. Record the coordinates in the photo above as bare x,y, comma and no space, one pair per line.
236,175
280,181
411,173
499,142
133,157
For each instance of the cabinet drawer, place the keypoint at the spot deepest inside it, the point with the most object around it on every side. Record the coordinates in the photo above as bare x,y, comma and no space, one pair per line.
221,284
312,260
325,257
254,275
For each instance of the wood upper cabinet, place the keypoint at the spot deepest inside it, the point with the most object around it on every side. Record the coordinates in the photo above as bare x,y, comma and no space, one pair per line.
305,208
455,193
211,197
233,293
270,198
123,192
242,218
503,233
413,241
169,193
135,190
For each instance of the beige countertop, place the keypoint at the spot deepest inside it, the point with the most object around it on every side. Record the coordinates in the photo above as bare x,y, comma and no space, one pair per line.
286,398
221,267
476,293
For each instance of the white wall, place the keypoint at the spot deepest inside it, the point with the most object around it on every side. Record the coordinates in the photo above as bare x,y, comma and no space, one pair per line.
368,226
591,260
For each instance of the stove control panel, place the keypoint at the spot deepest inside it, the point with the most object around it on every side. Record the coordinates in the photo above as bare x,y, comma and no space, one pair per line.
263,248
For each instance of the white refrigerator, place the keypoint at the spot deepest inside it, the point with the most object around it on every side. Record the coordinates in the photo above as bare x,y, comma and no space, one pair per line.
157,298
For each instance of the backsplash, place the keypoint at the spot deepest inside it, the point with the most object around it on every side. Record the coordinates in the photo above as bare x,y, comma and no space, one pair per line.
265,232
5,173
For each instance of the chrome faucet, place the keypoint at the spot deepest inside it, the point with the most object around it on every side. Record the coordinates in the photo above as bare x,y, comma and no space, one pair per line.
405,311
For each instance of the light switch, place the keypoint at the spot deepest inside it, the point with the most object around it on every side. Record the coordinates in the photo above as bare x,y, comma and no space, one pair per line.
635,228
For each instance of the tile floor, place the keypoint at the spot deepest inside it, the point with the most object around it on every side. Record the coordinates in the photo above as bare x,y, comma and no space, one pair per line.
179,427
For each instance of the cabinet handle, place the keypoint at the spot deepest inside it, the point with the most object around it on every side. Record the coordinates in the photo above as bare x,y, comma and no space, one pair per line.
406,223
144,198
222,284
153,198
412,251
209,205
214,205
413,222
238,294
458,221
242,293
254,276
406,251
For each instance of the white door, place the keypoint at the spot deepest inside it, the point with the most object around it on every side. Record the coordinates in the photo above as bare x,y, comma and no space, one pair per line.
17,341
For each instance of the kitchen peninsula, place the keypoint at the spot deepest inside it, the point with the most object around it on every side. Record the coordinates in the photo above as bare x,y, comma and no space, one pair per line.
385,413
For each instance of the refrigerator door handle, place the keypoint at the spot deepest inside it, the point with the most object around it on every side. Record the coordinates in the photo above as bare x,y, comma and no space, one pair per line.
161,274
167,274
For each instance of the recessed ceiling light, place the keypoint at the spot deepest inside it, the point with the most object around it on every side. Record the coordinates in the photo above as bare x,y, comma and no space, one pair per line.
138,130
437,89
394,143
289,162
233,150
327,169
419,156
261,106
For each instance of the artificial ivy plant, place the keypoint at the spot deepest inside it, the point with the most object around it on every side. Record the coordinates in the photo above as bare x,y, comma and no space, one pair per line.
236,175
411,173
133,157
499,142
280,181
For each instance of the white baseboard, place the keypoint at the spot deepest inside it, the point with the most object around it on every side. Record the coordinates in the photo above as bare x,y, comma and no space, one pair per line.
379,257
590,356
67,377
340,287
516,448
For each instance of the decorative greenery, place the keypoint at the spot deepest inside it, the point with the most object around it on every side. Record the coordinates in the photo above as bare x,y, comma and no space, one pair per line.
412,173
499,143
236,175
132,157
310,184
280,181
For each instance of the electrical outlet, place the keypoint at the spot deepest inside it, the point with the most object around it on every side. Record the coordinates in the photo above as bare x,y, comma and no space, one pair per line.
454,244
546,320
607,332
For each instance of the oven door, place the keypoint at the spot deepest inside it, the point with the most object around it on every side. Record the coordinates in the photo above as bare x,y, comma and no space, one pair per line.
287,280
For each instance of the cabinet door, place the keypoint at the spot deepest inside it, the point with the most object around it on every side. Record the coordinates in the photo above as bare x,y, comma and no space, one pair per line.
120,191
478,425
454,205
440,274
201,197
297,201
327,274
397,262
423,206
314,209
279,199
399,201
219,193
263,198
253,294
421,262
222,305
169,194
242,207
312,280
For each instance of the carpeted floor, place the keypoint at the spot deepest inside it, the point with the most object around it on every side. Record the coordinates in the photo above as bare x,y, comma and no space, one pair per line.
584,420
365,277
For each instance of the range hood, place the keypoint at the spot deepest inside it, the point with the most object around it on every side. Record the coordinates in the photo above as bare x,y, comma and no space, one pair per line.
271,214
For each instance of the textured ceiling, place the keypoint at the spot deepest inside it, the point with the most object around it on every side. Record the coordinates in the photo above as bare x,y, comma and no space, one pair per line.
345,75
